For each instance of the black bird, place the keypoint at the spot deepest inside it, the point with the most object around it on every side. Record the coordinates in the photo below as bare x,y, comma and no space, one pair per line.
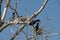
33,22
37,26
13,16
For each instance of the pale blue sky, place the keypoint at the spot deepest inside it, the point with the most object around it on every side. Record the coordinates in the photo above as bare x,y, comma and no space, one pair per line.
52,10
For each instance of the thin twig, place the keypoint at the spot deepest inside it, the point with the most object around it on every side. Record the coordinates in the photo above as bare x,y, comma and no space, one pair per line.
49,35
14,11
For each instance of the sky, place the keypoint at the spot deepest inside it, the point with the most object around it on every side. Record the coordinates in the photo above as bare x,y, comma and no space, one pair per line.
52,11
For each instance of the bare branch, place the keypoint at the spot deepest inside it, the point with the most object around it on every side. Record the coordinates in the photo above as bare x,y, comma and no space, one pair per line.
14,11
5,10
41,8
16,21
26,35
49,35
0,12
26,13
30,18
17,32
4,26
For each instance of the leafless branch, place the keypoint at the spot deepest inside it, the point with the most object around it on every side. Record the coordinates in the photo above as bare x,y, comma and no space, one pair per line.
26,35
26,13
5,10
53,34
14,11
0,12
4,26
16,21
30,18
